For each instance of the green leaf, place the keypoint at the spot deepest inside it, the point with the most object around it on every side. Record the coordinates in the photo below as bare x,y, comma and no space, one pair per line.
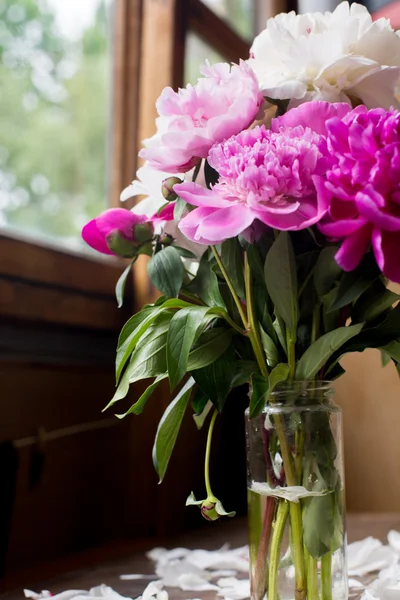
318,524
132,323
243,372
315,357
166,271
185,253
168,429
281,280
393,350
280,332
215,379
210,346
231,257
354,283
255,263
179,208
138,407
199,419
260,388
149,358
271,351
327,271
181,335
264,386
205,284
374,307
121,283
385,358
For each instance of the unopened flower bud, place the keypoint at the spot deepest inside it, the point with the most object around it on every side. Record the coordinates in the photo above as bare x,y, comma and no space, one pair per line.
208,511
143,233
166,239
167,188
120,245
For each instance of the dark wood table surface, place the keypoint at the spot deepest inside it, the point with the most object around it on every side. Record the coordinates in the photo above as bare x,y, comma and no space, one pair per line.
95,570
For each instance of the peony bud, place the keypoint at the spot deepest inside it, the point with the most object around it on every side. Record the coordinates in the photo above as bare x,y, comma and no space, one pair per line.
211,508
119,245
166,239
143,233
167,188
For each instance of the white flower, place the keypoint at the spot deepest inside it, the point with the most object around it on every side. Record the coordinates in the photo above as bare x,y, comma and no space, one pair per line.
149,183
339,56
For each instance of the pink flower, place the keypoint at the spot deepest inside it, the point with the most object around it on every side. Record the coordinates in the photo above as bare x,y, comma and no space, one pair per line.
270,176
111,225
221,104
364,188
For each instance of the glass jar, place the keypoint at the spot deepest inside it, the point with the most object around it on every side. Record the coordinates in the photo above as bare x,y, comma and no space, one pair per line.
296,496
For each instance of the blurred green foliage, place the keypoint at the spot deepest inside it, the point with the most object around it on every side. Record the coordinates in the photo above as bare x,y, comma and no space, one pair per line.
54,118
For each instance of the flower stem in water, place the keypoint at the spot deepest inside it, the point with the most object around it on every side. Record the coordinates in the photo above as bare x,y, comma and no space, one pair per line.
275,554
326,576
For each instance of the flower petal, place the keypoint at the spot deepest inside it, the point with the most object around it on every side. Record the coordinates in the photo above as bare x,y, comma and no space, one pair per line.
197,195
94,238
225,223
353,248
340,229
368,203
311,114
386,245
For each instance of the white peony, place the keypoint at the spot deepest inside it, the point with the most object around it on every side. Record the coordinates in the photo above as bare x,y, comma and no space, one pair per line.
148,183
339,57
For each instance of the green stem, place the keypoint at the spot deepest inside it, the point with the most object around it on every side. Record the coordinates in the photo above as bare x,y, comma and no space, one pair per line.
312,575
275,554
326,576
210,495
315,323
253,327
296,526
291,353
231,287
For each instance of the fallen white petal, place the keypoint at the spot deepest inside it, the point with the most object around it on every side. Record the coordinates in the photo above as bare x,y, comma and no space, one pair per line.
237,559
170,571
36,595
367,556
234,589
394,540
151,590
355,584
195,583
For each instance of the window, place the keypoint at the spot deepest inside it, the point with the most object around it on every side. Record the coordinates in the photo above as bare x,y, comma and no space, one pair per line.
239,14
54,115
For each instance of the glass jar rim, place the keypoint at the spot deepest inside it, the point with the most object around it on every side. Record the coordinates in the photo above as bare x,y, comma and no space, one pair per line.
324,387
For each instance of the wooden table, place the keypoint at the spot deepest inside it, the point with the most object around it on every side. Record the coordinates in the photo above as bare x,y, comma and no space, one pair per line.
212,536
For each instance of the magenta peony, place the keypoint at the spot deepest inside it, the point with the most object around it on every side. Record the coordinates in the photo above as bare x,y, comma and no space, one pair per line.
221,104
364,188
111,227
264,175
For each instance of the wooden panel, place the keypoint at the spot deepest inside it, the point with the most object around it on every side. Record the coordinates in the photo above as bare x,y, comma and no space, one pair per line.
24,300
125,102
216,32
25,260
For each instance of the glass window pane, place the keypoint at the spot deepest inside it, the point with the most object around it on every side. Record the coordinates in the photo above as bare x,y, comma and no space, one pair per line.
240,14
197,51
55,66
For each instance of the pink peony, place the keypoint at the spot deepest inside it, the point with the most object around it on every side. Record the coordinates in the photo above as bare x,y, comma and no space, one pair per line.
101,232
270,176
364,188
191,120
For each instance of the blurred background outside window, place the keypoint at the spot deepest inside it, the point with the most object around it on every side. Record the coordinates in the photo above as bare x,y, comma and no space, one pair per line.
55,107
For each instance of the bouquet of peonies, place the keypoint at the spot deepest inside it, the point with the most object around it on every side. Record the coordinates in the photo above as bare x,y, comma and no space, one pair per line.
272,223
